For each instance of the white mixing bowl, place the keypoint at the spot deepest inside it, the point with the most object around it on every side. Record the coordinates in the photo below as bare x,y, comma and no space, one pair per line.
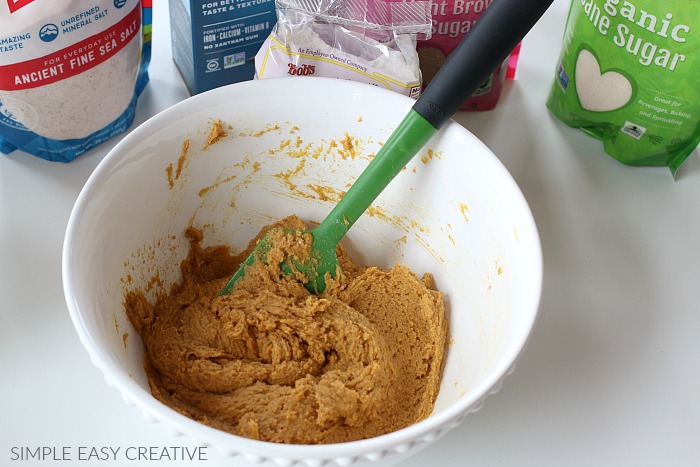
455,212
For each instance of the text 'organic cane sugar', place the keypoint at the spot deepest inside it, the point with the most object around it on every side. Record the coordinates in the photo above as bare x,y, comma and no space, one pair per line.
70,73
628,75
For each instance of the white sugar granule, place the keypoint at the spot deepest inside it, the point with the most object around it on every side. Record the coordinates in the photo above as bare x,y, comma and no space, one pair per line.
597,91
82,104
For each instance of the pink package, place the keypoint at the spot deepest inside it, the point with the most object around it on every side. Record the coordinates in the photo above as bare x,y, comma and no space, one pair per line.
452,20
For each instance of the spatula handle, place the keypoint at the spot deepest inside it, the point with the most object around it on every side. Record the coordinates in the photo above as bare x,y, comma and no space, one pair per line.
488,44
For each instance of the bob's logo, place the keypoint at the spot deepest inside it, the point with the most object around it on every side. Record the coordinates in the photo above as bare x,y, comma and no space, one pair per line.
303,70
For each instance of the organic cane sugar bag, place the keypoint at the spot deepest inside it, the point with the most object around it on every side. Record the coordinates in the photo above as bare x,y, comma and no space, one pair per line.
70,73
629,75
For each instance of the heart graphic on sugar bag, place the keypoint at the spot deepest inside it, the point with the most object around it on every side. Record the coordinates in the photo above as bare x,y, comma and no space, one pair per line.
600,92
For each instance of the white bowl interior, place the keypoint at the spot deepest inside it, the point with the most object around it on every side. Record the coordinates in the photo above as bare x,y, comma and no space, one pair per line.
454,212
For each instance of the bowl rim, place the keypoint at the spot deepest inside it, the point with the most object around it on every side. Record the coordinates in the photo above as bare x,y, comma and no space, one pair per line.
229,444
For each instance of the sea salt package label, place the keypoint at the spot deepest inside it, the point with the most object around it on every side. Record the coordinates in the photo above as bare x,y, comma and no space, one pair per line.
629,75
70,73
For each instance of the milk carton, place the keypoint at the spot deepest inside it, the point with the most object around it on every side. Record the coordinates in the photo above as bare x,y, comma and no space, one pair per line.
215,42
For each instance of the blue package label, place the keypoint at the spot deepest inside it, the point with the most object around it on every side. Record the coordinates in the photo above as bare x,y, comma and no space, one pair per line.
214,43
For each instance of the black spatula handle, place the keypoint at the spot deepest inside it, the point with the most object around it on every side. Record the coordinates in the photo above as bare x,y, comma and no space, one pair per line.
494,36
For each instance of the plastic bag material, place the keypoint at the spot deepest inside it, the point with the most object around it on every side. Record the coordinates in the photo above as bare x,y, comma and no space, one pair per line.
370,41
70,73
628,75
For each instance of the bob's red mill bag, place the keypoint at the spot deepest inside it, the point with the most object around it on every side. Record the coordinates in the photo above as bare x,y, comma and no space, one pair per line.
452,20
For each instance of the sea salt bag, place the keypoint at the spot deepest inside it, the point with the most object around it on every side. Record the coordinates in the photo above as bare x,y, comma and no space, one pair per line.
629,75
70,73
370,41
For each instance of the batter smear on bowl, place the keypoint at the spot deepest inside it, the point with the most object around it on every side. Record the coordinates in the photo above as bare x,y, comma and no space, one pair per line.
273,362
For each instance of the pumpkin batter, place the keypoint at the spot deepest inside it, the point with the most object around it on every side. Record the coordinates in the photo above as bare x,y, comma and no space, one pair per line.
273,362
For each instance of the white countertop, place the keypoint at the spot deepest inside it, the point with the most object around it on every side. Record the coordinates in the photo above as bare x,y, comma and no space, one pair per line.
610,376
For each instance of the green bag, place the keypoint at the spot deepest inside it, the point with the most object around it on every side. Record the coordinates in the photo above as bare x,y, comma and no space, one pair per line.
629,75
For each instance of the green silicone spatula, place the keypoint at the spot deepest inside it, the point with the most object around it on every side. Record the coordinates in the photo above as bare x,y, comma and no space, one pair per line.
486,46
